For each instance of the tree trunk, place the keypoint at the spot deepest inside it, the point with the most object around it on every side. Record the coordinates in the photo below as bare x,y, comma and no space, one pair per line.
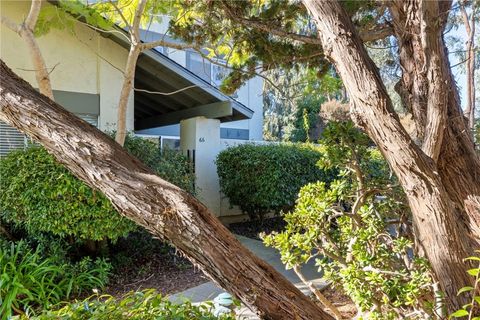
441,233
41,71
162,208
127,87
458,165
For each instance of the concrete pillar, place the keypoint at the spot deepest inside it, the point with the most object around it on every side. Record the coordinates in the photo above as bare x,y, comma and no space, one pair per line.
200,139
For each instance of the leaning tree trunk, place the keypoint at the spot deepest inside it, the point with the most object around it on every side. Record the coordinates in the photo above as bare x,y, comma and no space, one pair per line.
443,236
162,208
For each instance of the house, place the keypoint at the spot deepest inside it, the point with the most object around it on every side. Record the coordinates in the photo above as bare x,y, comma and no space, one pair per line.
86,75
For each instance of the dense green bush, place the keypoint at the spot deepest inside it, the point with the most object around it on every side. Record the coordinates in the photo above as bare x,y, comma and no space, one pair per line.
358,230
29,281
145,305
40,195
168,164
263,178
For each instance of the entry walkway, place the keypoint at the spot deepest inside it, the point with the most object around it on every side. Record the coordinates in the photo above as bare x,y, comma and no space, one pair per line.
208,291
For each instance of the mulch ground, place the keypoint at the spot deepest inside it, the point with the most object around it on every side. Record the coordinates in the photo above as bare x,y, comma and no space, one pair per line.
253,229
158,273
141,262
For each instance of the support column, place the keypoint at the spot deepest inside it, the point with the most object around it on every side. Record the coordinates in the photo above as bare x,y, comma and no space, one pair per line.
200,140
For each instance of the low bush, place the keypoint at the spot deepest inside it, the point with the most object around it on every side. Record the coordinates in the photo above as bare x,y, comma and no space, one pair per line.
264,178
29,281
144,305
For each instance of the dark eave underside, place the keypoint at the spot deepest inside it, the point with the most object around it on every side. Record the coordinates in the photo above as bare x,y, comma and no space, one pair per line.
157,73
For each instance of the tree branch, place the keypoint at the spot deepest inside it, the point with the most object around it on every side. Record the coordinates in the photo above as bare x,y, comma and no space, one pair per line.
164,43
317,293
135,30
9,24
32,17
379,32
122,16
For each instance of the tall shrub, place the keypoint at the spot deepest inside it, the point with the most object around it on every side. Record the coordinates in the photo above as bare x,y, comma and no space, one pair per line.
42,196
263,178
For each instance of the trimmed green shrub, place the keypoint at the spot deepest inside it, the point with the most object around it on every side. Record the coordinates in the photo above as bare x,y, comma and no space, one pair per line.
264,178
144,305
40,195
169,164
29,281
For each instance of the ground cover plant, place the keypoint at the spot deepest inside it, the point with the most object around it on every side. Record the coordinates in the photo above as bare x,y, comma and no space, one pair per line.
30,281
142,305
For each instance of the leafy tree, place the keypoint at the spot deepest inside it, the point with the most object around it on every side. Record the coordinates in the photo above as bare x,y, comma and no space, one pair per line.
439,152
358,230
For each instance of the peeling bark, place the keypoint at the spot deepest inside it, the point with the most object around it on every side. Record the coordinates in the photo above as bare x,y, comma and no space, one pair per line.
439,221
162,208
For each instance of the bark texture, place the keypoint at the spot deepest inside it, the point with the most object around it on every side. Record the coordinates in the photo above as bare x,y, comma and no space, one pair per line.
436,199
162,208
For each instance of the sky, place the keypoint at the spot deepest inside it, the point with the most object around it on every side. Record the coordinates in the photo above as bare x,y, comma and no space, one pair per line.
457,71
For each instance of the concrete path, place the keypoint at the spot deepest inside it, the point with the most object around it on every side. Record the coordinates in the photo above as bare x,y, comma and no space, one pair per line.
208,291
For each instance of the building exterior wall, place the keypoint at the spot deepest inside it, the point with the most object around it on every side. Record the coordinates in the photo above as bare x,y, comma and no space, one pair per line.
83,62
250,94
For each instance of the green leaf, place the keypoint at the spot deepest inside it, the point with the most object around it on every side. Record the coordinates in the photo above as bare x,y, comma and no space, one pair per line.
474,272
473,258
464,289
459,314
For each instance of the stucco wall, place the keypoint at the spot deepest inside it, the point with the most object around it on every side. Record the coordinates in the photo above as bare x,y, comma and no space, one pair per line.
84,61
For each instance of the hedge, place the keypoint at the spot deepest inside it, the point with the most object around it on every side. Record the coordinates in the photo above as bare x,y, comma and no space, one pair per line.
265,178
40,195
